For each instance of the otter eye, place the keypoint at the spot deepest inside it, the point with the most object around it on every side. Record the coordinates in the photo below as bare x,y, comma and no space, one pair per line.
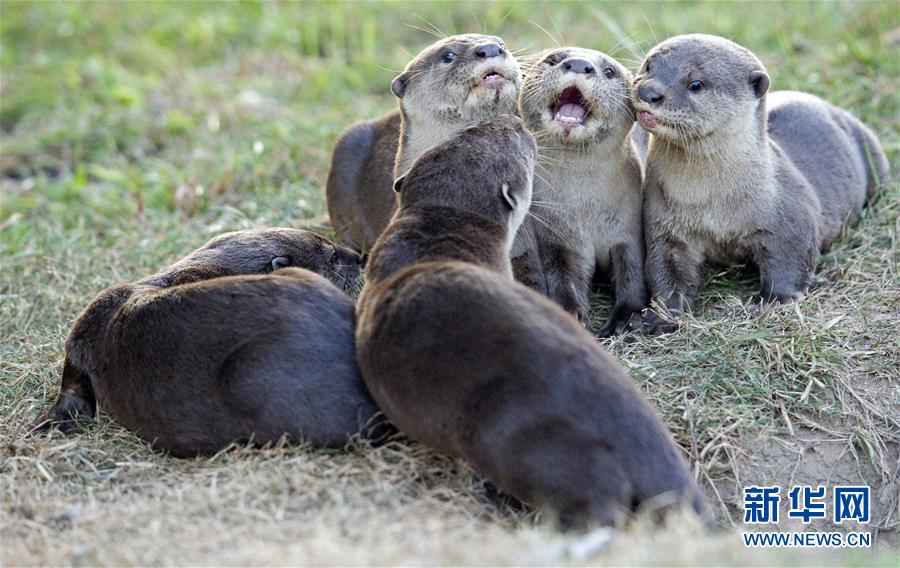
448,57
695,86
552,60
609,72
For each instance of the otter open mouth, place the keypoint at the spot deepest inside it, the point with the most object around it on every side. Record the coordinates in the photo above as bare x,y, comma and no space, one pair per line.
492,77
570,109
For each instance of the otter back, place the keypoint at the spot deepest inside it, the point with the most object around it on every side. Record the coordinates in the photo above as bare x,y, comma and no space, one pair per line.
212,351
465,359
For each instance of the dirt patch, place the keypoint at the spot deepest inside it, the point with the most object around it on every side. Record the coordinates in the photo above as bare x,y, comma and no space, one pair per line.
811,457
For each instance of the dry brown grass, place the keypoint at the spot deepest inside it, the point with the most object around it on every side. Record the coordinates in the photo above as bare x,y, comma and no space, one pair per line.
804,394
101,130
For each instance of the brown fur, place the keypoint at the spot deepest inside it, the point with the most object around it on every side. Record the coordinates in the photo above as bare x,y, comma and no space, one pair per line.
214,350
468,361
358,190
437,98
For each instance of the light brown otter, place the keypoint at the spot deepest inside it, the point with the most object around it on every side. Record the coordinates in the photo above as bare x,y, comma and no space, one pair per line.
451,84
215,350
463,358
587,206
735,174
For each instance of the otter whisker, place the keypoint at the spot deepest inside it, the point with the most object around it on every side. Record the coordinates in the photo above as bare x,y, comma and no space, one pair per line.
538,26
546,224
477,23
624,40
450,21
552,207
434,30
541,178
562,39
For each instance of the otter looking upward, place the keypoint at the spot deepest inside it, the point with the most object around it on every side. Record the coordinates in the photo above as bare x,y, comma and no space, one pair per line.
587,208
453,83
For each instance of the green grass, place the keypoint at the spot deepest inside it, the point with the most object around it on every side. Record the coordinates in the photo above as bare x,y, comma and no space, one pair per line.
131,133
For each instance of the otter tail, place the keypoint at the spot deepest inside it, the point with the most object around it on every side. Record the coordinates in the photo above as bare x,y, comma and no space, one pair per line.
75,400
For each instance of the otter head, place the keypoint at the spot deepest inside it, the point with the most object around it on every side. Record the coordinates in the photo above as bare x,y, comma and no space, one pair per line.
486,170
459,80
692,86
576,96
260,251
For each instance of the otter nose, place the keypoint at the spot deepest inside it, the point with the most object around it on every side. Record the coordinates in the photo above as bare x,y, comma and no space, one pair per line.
578,66
488,50
649,95
351,257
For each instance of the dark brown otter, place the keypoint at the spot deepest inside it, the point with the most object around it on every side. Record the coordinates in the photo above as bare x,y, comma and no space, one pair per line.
214,350
463,358
453,83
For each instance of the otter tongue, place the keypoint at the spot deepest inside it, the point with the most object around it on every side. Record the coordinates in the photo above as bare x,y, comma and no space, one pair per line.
570,112
647,119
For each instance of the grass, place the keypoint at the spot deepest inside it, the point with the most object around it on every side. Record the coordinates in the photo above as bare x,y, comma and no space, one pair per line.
131,133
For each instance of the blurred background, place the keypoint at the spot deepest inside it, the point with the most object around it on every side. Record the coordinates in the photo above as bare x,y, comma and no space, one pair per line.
141,116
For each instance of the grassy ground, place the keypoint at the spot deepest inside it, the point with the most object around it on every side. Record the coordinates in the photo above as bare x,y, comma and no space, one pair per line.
131,133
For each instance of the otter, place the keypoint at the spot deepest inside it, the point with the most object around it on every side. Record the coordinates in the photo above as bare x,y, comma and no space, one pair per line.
577,104
463,358
736,174
215,349
455,82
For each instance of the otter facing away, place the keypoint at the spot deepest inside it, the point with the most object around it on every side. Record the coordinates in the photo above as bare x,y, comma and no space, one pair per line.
463,358
735,174
453,83
215,349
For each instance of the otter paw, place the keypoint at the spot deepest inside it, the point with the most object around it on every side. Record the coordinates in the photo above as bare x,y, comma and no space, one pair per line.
49,420
584,319
608,330
814,281
654,324
622,320
66,415
780,297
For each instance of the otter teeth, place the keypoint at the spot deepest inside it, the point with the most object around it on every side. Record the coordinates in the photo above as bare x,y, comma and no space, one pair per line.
570,109
492,78
570,113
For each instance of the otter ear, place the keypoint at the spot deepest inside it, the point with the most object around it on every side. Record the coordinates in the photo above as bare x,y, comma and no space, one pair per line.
760,82
280,262
398,85
398,183
508,196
